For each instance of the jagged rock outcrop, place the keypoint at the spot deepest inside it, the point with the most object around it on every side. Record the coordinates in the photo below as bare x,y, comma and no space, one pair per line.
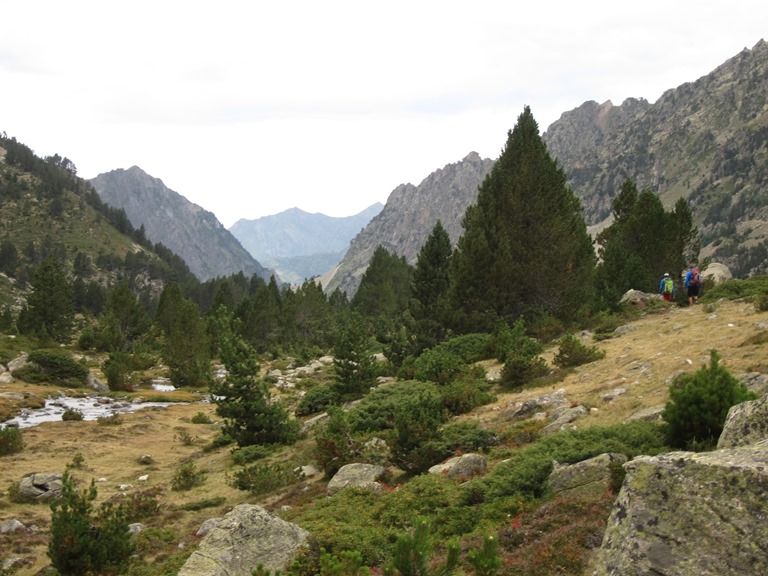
40,487
189,231
409,216
241,540
682,514
701,141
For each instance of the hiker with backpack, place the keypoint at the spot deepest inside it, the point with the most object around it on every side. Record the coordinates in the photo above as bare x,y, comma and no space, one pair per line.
692,285
667,287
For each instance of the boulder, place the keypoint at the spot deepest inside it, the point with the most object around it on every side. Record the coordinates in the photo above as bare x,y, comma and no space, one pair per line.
360,475
42,486
590,477
746,423
11,526
241,540
717,272
18,363
650,414
684,513
528,408
755,381
462,467
563,418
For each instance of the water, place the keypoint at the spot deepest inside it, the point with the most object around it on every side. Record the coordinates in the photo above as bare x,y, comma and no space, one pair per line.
92,407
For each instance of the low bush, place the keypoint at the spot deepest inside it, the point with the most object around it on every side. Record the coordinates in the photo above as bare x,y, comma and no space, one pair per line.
317,399
573,352
469,390
520,370
111,420
72,414
438,365
263,478
467,436
376,411
53,366
203,504
200,418
11,441
246,454
186,477
699,405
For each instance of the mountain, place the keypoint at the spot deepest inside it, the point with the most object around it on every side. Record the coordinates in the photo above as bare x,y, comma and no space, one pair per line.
409,216
188,230
705,141
300,245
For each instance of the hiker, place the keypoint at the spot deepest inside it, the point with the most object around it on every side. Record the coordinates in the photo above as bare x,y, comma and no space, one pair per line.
667,287
692,285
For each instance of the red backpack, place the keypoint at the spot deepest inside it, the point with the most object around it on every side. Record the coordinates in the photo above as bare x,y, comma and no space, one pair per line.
695,277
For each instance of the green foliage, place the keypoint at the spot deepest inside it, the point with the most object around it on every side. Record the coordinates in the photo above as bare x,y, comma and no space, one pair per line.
526,471
353,364
467,391
573,352
11,441
415,441
525,245
317,399
377,410
643,242
78,461
246,454
413,552
437,365
385,287
467,436
250,415
85,540
752,287
261,479
699,404
200,418
186,477
72,414
485,561
520,370
111,420
513,341
50,303
203,504
117,369
142,505
187,349
54,366
335,444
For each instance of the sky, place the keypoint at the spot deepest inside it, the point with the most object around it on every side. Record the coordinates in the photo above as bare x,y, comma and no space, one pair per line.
248,108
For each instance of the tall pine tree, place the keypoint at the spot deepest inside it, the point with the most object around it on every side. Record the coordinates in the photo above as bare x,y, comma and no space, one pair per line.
525,247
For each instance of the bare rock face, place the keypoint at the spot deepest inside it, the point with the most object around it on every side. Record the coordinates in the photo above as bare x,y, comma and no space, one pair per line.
361,475
243,539
746,423
682,514
462,467
590,477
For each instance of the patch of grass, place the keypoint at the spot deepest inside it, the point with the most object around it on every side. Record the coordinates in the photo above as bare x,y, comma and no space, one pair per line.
203,504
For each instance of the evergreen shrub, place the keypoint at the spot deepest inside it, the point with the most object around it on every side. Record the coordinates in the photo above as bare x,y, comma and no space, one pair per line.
186,477
261,479
520,370
317,399
247,454
11,441
469,390
72,414
573,352
438,365
54,366
699,405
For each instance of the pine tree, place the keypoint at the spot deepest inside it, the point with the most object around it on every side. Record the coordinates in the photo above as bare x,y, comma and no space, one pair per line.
50,304
187,348
525,246
385,288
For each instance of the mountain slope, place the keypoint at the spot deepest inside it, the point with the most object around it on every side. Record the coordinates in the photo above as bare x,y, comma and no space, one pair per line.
706,141
185,228
298,244
409,217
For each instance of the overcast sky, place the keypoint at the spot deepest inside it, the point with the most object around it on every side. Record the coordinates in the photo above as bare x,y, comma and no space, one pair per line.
248,108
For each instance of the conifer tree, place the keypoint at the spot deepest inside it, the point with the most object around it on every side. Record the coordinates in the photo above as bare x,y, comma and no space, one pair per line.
385,288
429,288
50,304
525,246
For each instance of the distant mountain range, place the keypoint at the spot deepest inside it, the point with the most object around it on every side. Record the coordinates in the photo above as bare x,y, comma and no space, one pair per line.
705,141
299,245
188,230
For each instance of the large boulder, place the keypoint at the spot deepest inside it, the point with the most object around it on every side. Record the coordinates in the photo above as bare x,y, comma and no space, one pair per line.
364,476
746,423
462,467
241,540
590,477
43,486
717,272
683,513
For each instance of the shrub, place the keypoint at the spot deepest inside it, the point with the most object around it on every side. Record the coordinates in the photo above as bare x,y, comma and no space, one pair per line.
469,390
335,445
140,506
513,341
72,414
78,461
520,370
200,418
469,347
185,437
84,540
699,405
467,436
54,366
186,477
111,420
317,399
376,411
263,478
11,441
415,440
117,368
203,504
246,454
573,352
438,365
